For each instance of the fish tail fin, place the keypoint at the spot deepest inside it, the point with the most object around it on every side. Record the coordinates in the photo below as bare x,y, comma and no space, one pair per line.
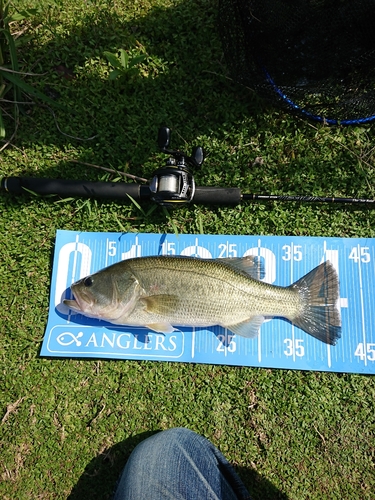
319,293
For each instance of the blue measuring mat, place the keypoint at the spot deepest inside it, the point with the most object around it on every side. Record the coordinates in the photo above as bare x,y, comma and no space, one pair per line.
279,344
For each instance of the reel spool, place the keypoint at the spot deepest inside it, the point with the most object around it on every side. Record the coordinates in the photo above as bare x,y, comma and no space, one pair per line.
174,183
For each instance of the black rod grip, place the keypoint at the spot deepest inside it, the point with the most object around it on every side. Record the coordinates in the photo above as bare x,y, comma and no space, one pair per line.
67,188
217,196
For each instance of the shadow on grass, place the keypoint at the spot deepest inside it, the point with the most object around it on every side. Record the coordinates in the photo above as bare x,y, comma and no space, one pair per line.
98,482
182,84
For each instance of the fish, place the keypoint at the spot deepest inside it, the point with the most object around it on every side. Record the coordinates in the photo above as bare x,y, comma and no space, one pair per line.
164,292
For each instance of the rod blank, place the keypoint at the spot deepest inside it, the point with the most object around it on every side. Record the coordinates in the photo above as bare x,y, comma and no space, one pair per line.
306,199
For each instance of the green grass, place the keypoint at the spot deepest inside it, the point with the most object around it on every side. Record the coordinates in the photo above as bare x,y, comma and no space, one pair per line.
67,426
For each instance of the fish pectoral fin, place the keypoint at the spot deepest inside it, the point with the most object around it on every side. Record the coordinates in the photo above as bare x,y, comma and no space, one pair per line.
248,328
160,304
161,327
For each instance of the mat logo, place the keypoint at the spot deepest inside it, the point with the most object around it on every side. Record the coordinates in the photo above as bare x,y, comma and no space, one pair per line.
85,340
68,338
148,342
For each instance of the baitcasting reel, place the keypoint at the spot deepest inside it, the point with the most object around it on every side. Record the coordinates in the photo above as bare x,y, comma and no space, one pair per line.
174,183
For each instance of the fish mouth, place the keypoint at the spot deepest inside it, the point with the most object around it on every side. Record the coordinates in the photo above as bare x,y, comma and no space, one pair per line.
81,305
78,303
72,304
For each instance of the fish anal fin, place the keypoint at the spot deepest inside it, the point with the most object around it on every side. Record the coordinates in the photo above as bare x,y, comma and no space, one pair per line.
248,328
161,327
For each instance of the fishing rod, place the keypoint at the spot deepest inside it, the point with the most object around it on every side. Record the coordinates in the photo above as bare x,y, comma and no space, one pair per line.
171,185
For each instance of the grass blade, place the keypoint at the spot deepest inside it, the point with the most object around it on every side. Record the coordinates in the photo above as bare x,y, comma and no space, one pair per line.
13,60
136,204
124,58
20,16
28,89
136,60
113,59
2,126
115,73
170,220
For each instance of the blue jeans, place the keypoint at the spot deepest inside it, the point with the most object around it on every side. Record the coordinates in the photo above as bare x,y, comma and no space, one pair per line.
178,464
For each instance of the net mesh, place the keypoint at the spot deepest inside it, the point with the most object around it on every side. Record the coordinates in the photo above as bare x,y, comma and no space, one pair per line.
313,57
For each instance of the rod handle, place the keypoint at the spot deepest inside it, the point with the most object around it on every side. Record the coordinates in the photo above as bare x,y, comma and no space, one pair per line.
217,196
67,188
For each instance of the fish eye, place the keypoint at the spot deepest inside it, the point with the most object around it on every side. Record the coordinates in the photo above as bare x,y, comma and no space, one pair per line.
88,281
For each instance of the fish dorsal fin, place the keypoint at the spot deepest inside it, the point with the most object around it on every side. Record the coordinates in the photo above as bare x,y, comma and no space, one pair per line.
248,328
251,265
161,305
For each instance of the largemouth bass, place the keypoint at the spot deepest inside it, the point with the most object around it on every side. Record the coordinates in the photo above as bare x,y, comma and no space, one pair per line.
162,292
